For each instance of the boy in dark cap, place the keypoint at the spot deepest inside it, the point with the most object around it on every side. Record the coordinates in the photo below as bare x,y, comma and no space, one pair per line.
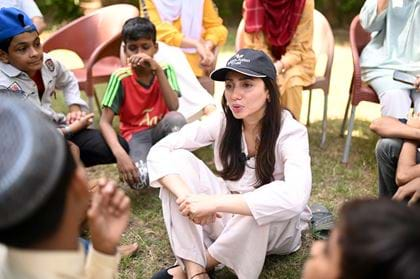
44,199
25,68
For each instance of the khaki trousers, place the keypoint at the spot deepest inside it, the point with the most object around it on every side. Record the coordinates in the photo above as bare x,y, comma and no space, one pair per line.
292,100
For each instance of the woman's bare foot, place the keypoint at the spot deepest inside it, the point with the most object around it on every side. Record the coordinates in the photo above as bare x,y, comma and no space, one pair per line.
177,272
194,270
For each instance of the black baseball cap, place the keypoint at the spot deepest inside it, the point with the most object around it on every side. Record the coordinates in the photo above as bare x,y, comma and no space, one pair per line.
250,62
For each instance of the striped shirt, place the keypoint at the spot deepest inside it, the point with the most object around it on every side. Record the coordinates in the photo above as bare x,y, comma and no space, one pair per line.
139,106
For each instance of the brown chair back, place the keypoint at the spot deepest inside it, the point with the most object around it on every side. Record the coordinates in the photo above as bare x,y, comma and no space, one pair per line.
86,33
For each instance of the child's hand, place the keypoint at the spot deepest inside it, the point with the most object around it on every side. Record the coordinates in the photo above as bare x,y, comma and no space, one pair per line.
127,169
410,191
108,216
417,82
143,60
84,121
414,120
74,116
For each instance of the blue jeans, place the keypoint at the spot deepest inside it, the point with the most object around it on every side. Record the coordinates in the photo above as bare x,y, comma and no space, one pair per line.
387,153
141,142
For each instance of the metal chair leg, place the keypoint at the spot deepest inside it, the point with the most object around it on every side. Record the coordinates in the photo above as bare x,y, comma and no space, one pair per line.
98,104
90,103
347,145
346,113
309,108
324,121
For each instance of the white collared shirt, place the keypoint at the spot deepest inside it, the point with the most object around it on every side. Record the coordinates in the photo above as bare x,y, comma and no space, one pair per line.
54,75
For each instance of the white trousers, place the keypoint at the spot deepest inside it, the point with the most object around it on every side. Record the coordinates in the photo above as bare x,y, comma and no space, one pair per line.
234,240
397,102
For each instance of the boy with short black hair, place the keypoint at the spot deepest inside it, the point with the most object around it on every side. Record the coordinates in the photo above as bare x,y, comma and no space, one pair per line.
25,68
144,96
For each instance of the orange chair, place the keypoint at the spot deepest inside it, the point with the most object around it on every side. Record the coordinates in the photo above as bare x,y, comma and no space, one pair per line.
96,39
323,45
359,91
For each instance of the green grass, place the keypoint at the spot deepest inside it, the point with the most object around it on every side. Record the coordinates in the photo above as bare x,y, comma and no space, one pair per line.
333,182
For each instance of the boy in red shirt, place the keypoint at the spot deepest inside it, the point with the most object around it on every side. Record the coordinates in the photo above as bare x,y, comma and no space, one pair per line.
144,96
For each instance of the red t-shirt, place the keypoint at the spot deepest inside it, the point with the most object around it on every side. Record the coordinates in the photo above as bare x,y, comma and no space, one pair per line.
139,107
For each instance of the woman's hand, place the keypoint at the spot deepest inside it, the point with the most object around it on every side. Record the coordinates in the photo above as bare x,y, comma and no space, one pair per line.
201,209
206,220
207,56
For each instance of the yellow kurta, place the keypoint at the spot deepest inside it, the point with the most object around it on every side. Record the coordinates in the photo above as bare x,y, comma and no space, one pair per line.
171,33
298,61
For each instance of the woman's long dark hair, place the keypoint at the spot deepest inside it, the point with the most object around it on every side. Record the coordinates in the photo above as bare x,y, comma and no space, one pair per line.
231,146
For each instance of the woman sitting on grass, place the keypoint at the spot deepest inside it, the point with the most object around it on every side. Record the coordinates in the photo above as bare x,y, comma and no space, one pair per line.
258,204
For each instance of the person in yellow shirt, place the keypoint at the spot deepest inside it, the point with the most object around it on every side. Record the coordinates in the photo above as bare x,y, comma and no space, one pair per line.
283,29
194,26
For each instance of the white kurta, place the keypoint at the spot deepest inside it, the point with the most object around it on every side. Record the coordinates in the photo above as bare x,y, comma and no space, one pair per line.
193,95
279,209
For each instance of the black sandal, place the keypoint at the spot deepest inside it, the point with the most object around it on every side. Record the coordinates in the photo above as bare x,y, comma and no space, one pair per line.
163,273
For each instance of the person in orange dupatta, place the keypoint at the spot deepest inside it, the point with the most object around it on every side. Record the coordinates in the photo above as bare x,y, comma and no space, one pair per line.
283,29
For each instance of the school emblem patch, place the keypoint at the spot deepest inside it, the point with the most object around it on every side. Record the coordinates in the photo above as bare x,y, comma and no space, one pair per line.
15,87
50,65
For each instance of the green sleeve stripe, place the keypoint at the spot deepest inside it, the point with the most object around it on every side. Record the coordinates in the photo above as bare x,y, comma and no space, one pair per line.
113,85
118,100
111,92
171,76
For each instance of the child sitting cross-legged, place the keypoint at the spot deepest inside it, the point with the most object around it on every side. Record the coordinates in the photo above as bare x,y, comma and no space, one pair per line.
144,95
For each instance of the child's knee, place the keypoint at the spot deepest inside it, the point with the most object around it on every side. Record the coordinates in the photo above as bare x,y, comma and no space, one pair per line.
175,120
388,148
